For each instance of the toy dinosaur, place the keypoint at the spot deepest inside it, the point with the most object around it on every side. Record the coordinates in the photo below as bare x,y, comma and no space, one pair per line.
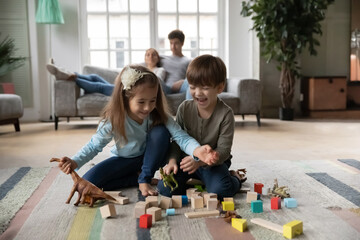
228,215
168,180
280,191
88,192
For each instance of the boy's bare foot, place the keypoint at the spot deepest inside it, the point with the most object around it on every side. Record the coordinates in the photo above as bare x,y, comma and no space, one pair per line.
147,190
238,175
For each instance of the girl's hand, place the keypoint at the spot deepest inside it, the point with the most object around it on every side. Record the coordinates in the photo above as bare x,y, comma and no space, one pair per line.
188,164
67,165
171,167
206,154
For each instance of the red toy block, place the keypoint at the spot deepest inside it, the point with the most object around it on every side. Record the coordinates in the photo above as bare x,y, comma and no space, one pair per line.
258,187
275,203
145,221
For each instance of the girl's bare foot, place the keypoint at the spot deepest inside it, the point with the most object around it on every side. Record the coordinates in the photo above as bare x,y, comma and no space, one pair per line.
147,190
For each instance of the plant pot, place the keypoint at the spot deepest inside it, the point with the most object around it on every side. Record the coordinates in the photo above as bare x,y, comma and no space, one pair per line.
286,114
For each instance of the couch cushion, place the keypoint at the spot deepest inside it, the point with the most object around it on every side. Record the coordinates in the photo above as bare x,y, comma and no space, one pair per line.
174,100
231,100
91,104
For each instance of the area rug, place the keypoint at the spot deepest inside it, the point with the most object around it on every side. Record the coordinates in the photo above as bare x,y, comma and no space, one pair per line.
327,193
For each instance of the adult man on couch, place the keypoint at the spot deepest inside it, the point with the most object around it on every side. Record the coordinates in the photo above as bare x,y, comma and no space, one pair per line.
175,65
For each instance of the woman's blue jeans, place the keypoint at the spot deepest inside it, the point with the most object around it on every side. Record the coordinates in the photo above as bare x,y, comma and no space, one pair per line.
120,172
93,83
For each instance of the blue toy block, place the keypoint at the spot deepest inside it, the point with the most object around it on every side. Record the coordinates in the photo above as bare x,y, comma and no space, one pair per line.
258,196
290,202
170,211
184,200
257,206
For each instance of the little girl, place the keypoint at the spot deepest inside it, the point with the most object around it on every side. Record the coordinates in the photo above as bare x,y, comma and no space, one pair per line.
137,119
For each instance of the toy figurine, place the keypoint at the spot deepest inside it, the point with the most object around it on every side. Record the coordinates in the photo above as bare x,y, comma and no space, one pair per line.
228,215
279,191
168,180
88,192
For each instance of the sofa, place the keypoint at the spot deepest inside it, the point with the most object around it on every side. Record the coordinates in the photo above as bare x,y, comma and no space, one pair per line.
11,109
242,95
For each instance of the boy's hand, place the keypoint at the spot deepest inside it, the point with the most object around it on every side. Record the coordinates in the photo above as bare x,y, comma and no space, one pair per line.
206,154
171,167
188,164
67,165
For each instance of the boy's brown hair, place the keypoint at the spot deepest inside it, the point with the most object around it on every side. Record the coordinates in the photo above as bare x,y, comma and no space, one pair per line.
177,34
206,70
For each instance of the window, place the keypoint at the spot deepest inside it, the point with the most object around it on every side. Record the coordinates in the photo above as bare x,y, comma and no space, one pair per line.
118,32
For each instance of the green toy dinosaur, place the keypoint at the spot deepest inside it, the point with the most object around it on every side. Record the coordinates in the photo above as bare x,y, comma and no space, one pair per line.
168,180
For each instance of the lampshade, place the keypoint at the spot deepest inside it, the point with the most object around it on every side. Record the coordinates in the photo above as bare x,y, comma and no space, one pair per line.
49,12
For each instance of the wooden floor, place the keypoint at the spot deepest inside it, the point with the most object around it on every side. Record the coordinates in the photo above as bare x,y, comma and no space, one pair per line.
301,139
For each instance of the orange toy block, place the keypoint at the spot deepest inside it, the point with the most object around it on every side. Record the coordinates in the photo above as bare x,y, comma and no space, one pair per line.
275,203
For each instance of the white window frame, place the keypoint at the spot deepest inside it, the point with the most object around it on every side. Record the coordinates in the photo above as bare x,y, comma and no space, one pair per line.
221,26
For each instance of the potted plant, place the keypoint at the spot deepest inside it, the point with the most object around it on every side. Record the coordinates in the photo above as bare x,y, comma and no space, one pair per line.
284,28
8,62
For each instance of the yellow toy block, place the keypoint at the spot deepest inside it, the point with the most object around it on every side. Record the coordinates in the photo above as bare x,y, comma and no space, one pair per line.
292,229
239,224
228,206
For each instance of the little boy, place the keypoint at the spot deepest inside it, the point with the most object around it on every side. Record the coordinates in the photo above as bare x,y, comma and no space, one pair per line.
210,121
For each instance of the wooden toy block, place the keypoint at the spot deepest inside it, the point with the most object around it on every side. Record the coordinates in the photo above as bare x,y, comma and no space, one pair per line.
228,199
196,194
121,200
203,193
190,191
212,203
207,196
293,229
228,206
176,201
202,214
108,211
155,212
152,200
140,208
184,200
170,212
197,202
244,189
275,203
257,206
165,202
251,196
290,202
114,193
239,224
258,187
266,191
145,221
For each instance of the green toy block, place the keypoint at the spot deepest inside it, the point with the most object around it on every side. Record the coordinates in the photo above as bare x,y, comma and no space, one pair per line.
257,206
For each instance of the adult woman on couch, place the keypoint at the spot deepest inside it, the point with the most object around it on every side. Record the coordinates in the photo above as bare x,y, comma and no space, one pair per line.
94,83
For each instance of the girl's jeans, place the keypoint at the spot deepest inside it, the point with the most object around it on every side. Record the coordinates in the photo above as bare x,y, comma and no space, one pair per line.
120,172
